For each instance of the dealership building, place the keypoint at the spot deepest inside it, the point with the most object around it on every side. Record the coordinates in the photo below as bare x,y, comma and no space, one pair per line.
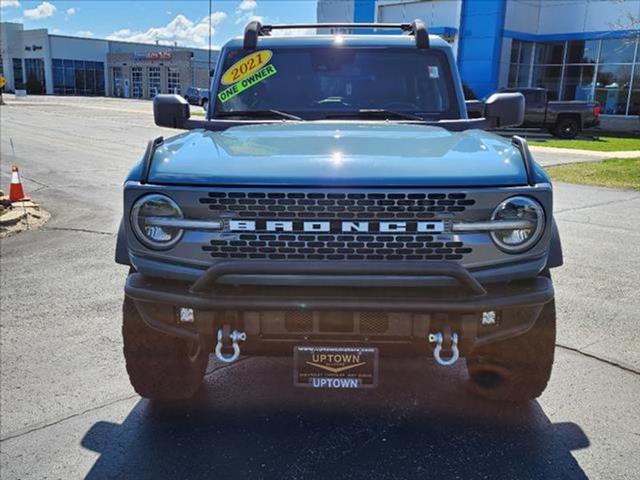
38,62
577,49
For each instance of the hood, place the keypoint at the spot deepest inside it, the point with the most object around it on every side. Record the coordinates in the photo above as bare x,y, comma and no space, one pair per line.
338,154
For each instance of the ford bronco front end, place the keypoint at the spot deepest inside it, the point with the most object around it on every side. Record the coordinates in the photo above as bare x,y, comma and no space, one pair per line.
337,205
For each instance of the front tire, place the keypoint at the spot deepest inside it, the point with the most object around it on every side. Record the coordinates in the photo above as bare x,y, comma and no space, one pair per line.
516,369
160,367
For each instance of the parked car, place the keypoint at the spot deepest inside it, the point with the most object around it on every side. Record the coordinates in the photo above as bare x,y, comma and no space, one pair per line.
197,96
361,215
564,119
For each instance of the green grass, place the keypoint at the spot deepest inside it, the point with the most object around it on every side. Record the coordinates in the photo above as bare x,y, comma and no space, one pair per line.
616,173
600,143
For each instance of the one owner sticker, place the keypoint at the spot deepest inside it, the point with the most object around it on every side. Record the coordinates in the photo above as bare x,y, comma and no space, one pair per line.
239,87
246,66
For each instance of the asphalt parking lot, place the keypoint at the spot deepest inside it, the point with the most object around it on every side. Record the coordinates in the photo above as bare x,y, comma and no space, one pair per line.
67,409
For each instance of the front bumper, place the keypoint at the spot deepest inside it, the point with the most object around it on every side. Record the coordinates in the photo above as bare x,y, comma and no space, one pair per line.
520,301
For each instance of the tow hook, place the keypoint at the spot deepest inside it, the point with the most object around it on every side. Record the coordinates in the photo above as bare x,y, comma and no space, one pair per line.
438,338
235,337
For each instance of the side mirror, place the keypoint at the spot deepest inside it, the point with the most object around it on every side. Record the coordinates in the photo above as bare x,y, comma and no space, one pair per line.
504,109
171,111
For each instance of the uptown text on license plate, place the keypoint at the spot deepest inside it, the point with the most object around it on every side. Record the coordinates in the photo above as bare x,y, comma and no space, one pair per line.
335,367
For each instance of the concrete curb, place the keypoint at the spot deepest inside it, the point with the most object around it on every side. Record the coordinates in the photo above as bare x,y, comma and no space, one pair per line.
595,154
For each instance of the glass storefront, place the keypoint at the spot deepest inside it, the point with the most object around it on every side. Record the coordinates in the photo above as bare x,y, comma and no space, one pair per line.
600,70
34,76
77,77
18,77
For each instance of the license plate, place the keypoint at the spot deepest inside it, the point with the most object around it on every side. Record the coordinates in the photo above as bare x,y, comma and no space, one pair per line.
335,367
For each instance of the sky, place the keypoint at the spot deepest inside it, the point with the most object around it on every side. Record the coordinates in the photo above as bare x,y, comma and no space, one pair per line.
182,21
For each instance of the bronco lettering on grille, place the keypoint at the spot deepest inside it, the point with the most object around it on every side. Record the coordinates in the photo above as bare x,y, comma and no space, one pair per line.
332,226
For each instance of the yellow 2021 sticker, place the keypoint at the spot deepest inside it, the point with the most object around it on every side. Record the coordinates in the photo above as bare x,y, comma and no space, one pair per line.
246,66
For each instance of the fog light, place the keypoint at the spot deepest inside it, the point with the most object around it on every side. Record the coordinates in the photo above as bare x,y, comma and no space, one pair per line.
489,318
186,315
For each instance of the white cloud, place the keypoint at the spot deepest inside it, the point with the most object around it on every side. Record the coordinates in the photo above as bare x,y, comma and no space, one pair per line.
247,5
71,11
180,29
44,10
9,3
245,12
84,33
124,32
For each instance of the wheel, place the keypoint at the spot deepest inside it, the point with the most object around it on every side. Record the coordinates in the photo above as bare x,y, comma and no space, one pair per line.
567,128
160,367
516,369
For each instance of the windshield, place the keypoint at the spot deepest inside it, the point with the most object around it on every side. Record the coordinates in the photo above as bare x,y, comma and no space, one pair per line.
328,82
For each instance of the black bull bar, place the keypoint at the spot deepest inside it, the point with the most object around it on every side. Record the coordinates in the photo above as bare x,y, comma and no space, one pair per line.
209,294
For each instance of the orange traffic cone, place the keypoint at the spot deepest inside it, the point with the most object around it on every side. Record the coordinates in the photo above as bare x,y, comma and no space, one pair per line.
16,192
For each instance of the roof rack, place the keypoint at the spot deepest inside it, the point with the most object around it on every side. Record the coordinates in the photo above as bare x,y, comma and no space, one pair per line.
255,29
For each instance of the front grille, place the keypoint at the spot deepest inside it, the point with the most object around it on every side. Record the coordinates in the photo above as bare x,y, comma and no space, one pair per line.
369,323
334,207
305,246
374,322
408,206
295,321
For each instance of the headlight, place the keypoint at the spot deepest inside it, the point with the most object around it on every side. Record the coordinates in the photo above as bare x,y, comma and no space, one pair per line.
522,211
151,218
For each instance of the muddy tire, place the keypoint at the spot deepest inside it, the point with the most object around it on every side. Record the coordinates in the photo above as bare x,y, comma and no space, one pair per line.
160,367
517,369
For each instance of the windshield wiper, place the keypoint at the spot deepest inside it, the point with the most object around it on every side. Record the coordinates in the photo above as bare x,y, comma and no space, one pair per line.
377,113
258,113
